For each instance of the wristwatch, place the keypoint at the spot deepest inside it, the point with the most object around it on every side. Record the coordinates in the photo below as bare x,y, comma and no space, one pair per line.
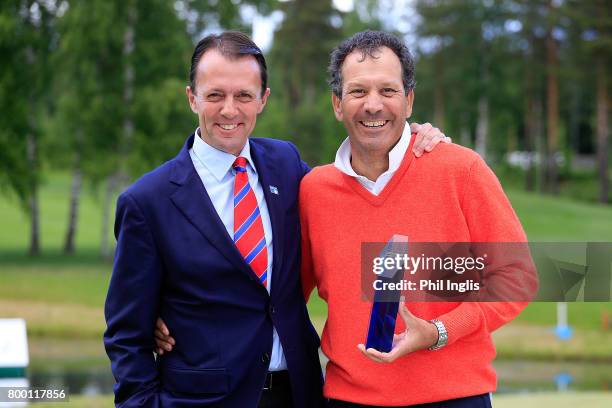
442,335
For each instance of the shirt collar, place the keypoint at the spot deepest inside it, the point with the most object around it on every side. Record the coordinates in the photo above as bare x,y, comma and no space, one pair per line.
218,162
396,155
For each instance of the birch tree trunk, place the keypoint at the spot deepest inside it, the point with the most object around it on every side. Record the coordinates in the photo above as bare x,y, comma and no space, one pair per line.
602,132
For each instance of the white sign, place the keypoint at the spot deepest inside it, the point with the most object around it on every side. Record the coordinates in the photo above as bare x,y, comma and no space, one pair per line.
13,343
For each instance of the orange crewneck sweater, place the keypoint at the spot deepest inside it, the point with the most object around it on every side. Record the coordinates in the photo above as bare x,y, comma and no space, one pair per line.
448,195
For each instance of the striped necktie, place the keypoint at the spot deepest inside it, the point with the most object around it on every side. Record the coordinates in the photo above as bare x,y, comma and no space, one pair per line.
248,229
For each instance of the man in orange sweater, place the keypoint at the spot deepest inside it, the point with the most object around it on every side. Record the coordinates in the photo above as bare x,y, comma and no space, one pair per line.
443,350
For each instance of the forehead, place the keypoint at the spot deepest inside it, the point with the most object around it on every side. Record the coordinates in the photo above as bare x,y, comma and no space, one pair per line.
220,72
385,66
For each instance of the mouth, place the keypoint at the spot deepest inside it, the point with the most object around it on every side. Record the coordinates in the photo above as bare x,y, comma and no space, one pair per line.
373,124
228,126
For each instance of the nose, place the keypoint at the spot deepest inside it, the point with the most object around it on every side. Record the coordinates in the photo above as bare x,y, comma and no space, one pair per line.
373,103
229,109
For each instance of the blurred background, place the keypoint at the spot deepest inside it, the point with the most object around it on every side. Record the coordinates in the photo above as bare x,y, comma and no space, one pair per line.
92,96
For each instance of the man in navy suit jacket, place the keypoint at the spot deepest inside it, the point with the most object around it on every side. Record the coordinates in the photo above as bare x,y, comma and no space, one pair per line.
238,343
176,258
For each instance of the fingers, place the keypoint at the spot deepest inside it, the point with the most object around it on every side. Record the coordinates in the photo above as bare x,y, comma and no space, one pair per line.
378,356
163,346
163,340
419,142
406,315
432,138
427,138
371,353
159,324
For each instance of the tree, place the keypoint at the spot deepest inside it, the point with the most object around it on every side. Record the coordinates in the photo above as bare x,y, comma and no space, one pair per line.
87,89
595,19
463,49
552,101
26,41
298,76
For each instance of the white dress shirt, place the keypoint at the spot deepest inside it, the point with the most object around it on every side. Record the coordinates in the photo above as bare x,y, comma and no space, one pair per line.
217,174
396,155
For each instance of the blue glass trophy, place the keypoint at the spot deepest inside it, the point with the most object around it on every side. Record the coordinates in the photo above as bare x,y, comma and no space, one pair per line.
386,302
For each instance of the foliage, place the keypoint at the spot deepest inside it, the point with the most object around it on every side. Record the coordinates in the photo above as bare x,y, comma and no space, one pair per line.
75,88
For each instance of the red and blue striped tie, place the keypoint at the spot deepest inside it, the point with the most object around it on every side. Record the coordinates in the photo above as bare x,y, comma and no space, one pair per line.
248,229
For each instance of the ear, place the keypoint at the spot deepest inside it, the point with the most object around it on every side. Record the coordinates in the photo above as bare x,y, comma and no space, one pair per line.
193,103
337,105
264,99
409,102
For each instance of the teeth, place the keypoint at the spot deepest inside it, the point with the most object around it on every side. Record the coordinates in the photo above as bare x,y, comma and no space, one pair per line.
377,123
228,127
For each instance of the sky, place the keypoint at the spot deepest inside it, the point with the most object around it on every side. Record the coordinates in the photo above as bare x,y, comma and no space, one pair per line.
398,14
263,27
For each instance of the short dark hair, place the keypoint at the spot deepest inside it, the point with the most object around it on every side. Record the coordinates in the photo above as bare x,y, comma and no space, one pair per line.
369,42
231,44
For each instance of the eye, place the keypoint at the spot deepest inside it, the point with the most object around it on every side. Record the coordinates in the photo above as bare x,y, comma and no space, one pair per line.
245,97
214,96
358,92
389,91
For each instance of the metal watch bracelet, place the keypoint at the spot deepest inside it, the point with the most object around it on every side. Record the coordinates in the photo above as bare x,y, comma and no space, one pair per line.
442,335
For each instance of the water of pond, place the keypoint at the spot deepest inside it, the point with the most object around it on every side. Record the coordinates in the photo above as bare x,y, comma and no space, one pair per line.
83,368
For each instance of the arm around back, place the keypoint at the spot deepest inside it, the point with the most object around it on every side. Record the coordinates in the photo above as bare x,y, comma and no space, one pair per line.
132,304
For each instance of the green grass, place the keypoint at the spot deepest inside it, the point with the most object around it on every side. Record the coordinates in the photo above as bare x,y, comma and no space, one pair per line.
557,400
79,284
53,201
586,315
551,219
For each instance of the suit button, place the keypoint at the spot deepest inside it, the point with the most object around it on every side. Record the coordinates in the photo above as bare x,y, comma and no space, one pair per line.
265,358
272,309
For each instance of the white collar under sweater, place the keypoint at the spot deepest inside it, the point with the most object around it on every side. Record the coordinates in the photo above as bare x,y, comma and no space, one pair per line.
396,155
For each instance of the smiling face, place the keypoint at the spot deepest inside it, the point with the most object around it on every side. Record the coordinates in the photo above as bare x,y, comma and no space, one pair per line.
374,106
227,99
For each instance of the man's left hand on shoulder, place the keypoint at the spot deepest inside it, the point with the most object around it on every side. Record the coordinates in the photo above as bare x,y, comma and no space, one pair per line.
427,137
420,334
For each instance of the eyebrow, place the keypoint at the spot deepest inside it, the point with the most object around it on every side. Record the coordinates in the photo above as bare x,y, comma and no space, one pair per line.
225,91
361,85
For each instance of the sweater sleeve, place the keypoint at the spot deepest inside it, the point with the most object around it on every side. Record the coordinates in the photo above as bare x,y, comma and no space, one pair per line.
307,272
511,273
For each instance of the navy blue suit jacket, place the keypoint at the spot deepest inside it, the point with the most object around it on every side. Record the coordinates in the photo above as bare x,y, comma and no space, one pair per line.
175,259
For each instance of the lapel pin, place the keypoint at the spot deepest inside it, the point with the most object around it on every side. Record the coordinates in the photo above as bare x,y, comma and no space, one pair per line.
274,190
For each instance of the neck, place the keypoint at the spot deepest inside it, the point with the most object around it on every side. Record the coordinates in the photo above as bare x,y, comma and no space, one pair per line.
370,165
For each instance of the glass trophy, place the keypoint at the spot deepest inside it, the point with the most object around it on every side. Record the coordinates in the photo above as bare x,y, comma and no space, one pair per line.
386,302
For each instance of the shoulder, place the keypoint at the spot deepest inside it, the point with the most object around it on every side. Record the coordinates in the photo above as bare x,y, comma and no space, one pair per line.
453,155
321,177
274,146
151,184
284,154
451,159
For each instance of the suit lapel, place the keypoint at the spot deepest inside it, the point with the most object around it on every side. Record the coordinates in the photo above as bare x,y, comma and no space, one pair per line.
192,199
269,177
